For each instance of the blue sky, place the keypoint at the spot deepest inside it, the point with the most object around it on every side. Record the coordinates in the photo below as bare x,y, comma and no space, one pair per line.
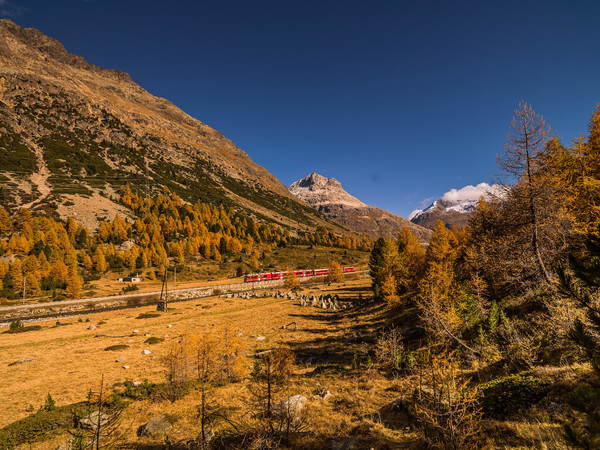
400,101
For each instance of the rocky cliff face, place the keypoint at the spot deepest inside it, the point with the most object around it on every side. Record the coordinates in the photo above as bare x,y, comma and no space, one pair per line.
327,196
70,129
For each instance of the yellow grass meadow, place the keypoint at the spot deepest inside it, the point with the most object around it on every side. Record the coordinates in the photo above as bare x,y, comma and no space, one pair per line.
68,360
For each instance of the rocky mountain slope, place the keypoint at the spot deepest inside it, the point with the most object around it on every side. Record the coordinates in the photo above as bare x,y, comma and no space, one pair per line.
455,206
326,195
70,130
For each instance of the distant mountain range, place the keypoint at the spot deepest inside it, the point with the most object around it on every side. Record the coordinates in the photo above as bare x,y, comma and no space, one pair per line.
72,133
326,195
455,207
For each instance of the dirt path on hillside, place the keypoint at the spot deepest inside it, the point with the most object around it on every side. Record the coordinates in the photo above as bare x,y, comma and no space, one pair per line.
40,178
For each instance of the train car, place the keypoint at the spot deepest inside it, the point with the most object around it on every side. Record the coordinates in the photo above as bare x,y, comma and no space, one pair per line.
303,273
254,277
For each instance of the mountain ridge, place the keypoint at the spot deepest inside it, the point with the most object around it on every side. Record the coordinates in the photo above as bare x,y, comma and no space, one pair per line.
327,196
71,129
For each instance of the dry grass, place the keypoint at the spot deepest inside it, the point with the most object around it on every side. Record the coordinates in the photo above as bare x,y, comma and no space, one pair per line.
69,360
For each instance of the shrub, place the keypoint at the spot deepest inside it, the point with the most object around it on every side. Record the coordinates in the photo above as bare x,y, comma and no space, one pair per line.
508,395
159,392
153,340
23,329
391,354
49,404
584,430
329,369
115,348
16,324
445,405
130,288
38,426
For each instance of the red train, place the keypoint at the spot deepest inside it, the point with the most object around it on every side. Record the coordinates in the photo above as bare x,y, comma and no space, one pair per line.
299,273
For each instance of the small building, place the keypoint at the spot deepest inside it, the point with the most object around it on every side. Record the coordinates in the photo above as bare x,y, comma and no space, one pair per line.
135,279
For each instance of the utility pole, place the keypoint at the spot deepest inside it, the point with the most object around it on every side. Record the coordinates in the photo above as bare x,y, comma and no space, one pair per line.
24,281
175,277
162,302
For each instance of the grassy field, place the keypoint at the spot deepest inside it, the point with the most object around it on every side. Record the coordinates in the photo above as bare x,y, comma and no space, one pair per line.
68,360
334,351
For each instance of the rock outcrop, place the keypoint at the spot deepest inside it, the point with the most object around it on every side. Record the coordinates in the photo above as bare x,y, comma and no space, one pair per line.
327,196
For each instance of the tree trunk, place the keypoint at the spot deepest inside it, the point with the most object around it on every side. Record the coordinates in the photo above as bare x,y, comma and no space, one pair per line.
533,212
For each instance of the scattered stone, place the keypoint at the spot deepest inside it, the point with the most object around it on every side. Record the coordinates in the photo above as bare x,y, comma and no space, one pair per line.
135,331
169,326
260,338
125,367
136,383
146,352
157,425
239,334
289,407
321,394
147,334
130,341
90,422
120,359
92,327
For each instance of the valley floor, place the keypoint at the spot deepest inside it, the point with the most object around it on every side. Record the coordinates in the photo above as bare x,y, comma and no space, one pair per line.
335,351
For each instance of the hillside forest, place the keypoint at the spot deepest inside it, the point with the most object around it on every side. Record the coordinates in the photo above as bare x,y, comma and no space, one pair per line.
513,292
56,258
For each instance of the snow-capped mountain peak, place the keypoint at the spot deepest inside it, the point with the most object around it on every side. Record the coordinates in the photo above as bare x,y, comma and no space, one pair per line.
455,205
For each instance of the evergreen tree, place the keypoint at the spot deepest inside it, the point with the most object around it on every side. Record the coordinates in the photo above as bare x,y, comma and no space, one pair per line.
376,266
384,265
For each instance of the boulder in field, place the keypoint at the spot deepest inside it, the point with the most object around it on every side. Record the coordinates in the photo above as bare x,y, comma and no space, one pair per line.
157,425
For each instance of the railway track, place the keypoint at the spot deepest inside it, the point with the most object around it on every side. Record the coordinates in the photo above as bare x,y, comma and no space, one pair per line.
35,312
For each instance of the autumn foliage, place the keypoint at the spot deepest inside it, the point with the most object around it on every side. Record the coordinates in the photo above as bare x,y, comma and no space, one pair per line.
50,254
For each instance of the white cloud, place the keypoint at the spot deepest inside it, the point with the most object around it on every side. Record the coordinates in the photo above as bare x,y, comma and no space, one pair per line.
7,9
414,213
471,193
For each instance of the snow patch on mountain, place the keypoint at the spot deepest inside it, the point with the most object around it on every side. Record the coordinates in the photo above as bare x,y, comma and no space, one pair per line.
463,200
